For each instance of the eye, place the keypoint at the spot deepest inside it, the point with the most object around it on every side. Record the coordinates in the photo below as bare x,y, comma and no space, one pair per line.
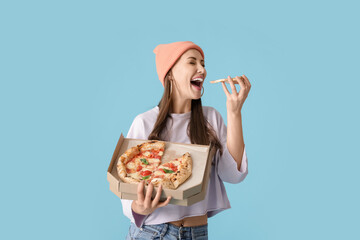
195,63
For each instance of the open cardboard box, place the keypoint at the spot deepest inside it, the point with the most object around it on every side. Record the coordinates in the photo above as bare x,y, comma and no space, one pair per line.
191,191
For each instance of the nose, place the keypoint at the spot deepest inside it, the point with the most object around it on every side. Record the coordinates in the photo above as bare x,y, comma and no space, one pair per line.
201,69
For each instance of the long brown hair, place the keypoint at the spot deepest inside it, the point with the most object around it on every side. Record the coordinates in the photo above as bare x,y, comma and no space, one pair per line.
199,129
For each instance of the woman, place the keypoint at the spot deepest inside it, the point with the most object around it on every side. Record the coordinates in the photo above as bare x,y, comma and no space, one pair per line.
180,117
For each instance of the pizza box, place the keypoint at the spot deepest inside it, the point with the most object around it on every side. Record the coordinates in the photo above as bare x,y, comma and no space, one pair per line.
189,192
183,202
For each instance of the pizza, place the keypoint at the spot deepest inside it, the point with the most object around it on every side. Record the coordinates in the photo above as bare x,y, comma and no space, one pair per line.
137,163
173,173
143,162
224,80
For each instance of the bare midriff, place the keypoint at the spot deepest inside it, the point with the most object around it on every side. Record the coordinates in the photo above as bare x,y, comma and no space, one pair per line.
191,221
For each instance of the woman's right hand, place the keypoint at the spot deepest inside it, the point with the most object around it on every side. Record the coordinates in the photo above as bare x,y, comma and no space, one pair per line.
144,205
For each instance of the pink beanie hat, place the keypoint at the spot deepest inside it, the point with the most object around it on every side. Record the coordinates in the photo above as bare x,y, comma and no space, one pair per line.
168,54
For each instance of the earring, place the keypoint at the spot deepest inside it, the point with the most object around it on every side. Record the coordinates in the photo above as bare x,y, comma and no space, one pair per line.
170,88
202,93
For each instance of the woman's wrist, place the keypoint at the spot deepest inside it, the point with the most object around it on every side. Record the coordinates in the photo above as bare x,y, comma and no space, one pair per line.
138,218
135,210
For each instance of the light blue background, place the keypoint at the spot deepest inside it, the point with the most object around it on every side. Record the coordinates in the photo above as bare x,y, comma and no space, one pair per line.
74,74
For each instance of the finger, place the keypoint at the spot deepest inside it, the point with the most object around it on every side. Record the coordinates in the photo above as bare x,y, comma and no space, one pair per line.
149,194
241,83
233,88
140,191
247,81
157,197
244,89
225,89
163,204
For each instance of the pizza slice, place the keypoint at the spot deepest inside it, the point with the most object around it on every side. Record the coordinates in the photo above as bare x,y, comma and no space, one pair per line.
173,173
224,80
138,163
150,158
126,165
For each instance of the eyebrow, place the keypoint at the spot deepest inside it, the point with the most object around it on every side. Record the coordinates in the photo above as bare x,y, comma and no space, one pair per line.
194,58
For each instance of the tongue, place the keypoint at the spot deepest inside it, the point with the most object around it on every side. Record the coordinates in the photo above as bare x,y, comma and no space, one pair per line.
196,85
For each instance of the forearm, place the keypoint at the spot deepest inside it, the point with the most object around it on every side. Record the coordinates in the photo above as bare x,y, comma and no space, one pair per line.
235,139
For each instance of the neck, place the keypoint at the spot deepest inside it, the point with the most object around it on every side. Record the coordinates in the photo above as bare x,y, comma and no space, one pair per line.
181,106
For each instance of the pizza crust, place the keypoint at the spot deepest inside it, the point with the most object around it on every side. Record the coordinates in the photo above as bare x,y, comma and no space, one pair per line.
123,160
184,172
154,144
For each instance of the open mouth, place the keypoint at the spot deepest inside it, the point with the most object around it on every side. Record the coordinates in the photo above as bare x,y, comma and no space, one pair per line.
197,83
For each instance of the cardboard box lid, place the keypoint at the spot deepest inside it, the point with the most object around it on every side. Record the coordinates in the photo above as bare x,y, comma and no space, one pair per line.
201,155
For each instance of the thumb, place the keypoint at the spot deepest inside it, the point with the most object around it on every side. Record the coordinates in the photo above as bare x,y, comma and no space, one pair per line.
163,204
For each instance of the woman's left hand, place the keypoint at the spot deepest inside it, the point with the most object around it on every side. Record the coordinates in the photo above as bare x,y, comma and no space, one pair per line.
235,100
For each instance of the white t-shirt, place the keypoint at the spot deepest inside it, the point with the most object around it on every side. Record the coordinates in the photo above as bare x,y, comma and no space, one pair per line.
224,167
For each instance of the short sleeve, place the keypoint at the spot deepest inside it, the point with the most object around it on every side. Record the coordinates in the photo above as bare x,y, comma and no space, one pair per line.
137,129
226,164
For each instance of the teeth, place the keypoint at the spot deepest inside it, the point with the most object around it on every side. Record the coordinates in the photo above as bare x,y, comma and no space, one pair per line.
198,79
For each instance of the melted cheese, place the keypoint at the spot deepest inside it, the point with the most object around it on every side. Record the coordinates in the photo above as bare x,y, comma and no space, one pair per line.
154,161
134,175
130,165
147,153
158,173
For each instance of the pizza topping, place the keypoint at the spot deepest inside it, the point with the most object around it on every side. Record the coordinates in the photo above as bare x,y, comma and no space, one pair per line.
155,154
130,165
138,169
172,166
167,170
147,153
155,161
146,177
156,178
128,170
145,173
144,161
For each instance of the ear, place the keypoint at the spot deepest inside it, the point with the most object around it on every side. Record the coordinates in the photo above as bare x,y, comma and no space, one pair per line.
170,75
